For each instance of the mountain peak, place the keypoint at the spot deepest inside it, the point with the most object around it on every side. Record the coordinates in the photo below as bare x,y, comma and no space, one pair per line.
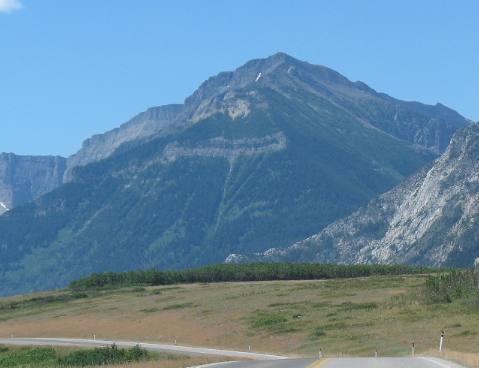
271,62
282,64
275,72
282,56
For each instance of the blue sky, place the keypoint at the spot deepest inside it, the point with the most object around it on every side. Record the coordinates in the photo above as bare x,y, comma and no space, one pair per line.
73,68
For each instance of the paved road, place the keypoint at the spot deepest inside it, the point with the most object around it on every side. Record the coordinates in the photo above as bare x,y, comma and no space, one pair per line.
278,363
386,363
341,363
187,350
254,360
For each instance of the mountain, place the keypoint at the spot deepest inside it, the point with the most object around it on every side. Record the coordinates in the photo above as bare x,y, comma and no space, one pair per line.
259,157
144,125
432,218
427,126
23,178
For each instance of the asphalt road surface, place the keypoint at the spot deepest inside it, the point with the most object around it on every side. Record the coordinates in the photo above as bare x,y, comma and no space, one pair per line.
252,360
386,363
278,363
419,362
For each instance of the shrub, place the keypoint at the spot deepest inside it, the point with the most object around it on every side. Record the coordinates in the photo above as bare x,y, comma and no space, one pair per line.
453,285
178,306
318,332
359,306
103,356
27,357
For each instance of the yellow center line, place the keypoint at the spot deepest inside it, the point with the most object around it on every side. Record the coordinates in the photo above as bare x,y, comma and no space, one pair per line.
318,364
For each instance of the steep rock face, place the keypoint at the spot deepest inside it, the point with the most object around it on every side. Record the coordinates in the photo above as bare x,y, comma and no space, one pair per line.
259,157
144,125
24,178
432,218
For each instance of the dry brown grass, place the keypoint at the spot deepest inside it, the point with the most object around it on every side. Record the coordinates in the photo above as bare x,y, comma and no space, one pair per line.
350,317
470,360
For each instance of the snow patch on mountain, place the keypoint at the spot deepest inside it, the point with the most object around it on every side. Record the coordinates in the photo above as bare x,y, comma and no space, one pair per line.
3,208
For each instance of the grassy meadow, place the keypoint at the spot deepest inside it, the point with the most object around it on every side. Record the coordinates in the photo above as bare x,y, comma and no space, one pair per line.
296,318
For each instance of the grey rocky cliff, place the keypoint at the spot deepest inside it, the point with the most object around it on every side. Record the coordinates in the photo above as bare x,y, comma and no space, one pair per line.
24,178
431,218
144,125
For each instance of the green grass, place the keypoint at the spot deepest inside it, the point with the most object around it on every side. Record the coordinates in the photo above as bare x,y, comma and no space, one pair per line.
150,310
359,306
103,356
178,306
50,357
43,300
29,357
269,321
318,332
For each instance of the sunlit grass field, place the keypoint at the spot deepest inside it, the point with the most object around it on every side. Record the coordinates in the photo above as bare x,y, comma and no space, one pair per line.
296,318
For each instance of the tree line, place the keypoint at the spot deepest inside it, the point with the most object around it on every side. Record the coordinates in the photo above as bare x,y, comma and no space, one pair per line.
242,272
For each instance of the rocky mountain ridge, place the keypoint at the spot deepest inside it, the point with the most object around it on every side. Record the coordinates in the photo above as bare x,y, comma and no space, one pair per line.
101,146
431,218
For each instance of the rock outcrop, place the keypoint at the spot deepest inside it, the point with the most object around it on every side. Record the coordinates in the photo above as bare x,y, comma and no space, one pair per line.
431,218
144,125
23,178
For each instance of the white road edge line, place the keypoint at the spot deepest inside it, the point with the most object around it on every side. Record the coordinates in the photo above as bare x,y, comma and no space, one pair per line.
213,364
439,363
